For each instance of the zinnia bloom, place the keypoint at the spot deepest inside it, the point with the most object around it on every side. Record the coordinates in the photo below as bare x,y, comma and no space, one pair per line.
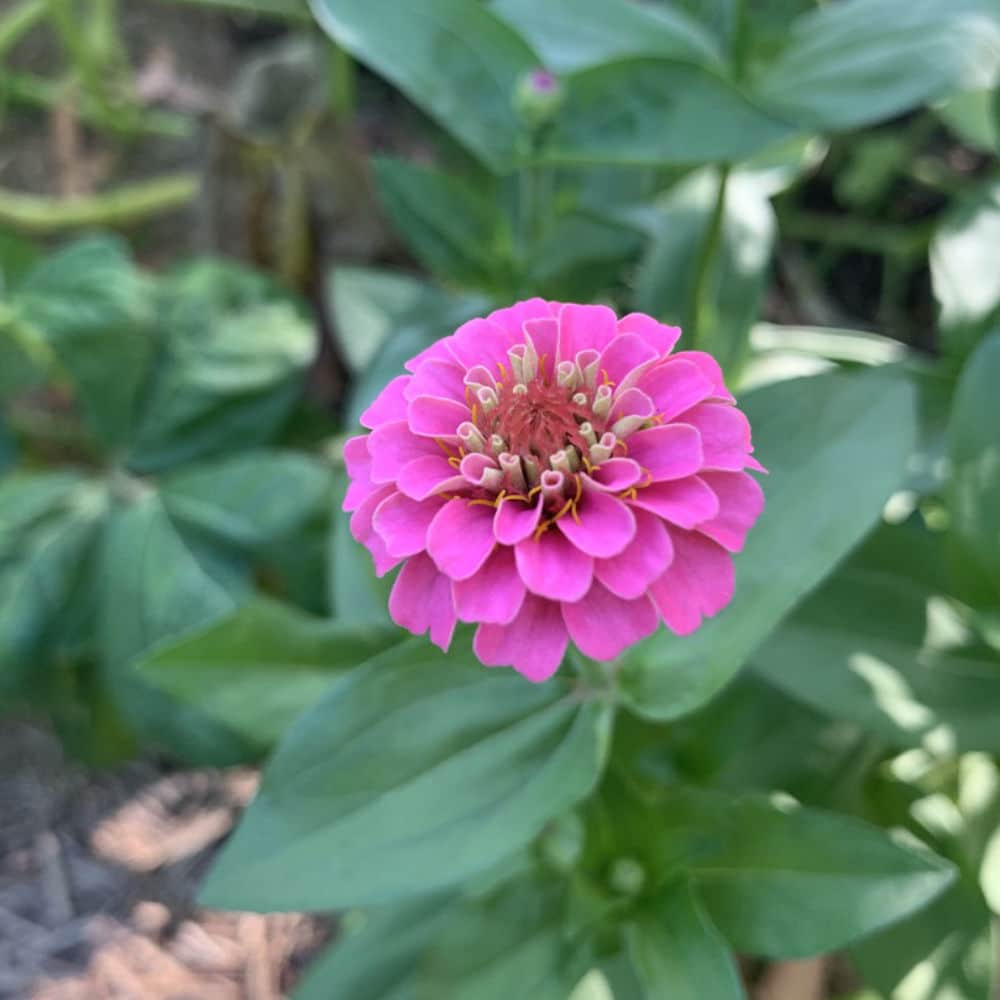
552,472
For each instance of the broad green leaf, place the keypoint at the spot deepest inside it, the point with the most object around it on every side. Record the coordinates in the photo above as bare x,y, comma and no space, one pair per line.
455,231
835,445
354,593
378,960
942,953
415,772
230,388
8,447
258,668
787,882
43,559
157,583
972,117
860,61
649,112
93,307
577,256
877,646
509,943
677,951
737,268
251,498
571,35
966,287
17,258
456,60
366,304
974,494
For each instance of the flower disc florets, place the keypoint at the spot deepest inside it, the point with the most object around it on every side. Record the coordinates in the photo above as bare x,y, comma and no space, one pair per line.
552,473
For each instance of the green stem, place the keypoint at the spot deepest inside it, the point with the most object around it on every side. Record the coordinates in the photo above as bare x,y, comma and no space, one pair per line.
124,206
343,87
698,301
19,20
295,11
741,39
37,92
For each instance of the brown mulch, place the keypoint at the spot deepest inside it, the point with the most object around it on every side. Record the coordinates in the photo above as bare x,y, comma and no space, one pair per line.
98,874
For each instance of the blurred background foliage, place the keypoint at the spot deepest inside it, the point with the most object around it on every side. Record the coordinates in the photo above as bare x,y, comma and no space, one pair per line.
225,224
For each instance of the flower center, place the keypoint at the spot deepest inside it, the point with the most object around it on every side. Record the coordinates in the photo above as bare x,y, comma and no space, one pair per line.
538,419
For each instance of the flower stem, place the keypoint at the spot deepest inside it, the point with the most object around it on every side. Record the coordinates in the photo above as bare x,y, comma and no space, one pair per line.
698,300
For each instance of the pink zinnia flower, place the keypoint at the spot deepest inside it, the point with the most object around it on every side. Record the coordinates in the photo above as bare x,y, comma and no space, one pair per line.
551,473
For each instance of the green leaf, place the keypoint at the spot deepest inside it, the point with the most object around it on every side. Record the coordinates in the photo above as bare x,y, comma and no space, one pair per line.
93,307
8,447
860,61
454,230
231,387
787,882
571,35
250,499
44,552
378,960
366,304
835,446
258,668
737,269
415,772
354,593
677,951
974,494
649,112
17,258
511,942
971,116
942,953
157,583
878,647
966,287
456,60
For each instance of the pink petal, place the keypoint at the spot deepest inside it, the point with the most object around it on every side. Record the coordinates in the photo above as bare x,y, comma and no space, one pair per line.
364,531
740,502
460,538
533,643
513,318
389,404
581,327
475,466
644,560
675,386
403,523
602,624
359,470
631,403
394,445
480,342
494,594
439,349
670,452
552,566
725,435
658,335
516,520
427,475
684,502
615,475
624,355
602,527
434,417
698,584
438,377
709,367
544,334
421,600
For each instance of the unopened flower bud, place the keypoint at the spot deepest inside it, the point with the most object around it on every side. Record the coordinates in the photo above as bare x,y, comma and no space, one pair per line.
538,97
